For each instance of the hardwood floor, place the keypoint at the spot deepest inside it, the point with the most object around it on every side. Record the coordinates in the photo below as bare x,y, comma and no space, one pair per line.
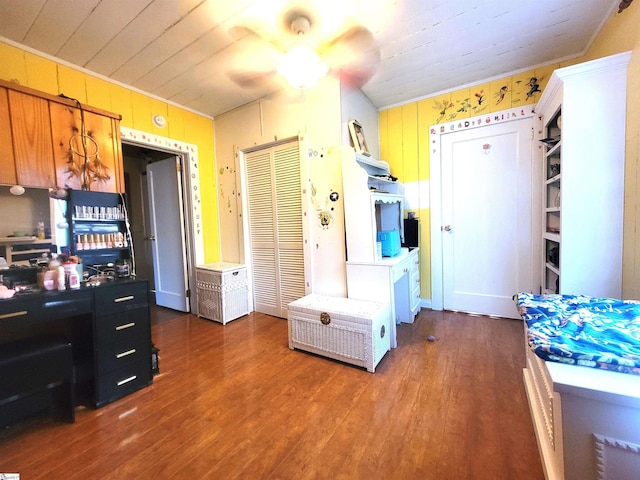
234,402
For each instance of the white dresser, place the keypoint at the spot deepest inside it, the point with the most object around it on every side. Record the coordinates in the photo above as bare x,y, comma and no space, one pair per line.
222,290
395,280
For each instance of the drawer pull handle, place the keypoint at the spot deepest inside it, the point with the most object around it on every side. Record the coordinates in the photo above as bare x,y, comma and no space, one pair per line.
235,273
13,314
124,354
124,299
58,303
126,325
127,380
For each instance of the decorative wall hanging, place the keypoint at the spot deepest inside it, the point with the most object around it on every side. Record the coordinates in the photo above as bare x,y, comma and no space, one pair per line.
83,157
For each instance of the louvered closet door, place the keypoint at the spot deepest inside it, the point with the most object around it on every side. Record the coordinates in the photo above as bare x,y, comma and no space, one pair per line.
275,227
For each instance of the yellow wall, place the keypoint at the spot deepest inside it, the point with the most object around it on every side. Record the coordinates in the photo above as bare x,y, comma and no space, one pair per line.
404,133
137,110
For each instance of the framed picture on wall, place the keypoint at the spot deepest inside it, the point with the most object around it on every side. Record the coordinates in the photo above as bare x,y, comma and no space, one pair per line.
357,138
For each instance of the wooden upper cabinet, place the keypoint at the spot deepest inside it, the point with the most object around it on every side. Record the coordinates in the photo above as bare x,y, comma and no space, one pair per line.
31,132
53,141
7,163
86,148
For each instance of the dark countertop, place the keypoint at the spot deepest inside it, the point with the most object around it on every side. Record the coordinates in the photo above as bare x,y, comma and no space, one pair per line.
34,293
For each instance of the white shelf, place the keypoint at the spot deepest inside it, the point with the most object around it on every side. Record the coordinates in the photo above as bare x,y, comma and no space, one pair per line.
20,240
372,162
555,179
553,268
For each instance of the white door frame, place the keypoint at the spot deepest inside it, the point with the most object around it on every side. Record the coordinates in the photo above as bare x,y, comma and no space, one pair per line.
435,194
191,194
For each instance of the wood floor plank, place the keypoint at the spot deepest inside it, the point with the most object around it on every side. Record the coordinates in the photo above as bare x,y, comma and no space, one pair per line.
234,401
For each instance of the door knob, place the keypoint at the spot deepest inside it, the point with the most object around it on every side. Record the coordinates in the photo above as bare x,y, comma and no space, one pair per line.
447,228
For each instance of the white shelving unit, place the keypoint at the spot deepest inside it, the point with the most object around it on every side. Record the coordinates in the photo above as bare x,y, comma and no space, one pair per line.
372,203
583,112
20,249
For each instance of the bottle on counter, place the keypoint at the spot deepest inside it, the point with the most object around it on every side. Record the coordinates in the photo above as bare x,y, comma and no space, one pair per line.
62,279
40,230
74,279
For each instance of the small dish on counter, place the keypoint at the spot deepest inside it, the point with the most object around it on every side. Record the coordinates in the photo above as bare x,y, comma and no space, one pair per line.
6,292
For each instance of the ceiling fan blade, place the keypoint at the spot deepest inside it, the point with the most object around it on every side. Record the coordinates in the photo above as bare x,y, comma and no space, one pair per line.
353,56
250,61
354,77
251,79
246,32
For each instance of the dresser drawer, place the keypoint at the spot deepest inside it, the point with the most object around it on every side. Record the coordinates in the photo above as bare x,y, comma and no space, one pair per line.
126,351
400,269
18,310
42,314
50,306
123,381
115,328
118,298
67,305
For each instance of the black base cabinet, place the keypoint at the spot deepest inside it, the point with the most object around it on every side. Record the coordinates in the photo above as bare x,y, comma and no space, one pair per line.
107,329
122,340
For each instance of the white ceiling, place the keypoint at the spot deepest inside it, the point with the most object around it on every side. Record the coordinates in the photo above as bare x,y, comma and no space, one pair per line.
182,51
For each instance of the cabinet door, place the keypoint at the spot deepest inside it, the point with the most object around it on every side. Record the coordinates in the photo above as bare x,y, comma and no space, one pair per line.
414,283
7,163
86,149
31,133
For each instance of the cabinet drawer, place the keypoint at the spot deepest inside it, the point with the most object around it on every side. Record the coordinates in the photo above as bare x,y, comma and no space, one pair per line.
124,352
50,307
18,310
118,298
68,305
400,270
115,328
123,381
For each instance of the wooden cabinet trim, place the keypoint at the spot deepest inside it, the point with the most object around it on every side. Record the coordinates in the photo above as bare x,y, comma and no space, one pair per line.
7,161
57,99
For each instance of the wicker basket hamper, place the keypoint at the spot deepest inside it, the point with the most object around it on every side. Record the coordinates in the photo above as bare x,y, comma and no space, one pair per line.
353,331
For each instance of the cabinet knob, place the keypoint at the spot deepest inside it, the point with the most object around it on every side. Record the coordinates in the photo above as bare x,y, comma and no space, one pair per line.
446,228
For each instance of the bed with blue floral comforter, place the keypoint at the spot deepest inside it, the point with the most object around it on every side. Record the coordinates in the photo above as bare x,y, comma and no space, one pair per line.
581,330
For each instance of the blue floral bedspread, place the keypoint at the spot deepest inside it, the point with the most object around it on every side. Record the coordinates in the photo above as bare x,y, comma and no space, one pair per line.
581,330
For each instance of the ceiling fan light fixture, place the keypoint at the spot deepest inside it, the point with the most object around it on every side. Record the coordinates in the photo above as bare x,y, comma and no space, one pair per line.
301,66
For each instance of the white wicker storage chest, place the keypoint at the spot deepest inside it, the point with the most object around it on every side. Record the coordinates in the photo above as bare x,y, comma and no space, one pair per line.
222,290
353,331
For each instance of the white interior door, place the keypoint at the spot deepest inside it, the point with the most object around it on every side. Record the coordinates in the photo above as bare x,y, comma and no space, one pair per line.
274,205
487,217
167,233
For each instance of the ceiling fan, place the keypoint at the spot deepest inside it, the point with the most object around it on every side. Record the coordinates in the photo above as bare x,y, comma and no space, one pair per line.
299,52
